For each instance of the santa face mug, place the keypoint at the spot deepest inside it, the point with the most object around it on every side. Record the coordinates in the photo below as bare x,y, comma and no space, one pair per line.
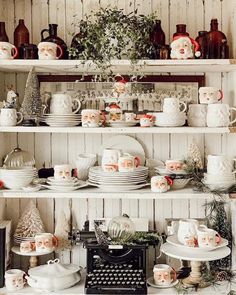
92,118
49,50
197,115
8,51
209,95
10,117
14,279
175,165
115,112
26,247
110,159
218,115
161,184
62,172
208,237
147,121
182,48
128,163
173,105
163,275
45,242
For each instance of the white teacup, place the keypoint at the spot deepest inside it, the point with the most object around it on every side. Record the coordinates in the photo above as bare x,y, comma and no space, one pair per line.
173,105
10,117
49,50
161,184
45,242
187,232
62,103
92,118
83,163
110,157
130,117
220,165
163,275
197,115
62,172
208,237
8,51
128,163
218,115
26,247
209,95
14,279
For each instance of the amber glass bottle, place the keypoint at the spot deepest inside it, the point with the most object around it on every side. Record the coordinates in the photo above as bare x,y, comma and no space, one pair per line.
214,40
158,37
3,34
202,41
52,37
21,34
181,30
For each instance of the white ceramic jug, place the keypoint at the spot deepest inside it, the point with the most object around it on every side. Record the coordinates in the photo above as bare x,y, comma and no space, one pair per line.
62,104
187,229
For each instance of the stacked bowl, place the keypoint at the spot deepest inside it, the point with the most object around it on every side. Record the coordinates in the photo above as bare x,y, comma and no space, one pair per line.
220,175
17,178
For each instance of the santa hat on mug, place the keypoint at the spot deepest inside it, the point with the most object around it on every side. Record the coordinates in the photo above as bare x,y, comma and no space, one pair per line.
114,108
194,43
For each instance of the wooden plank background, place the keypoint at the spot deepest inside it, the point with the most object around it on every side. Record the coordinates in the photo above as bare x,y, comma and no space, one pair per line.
58,148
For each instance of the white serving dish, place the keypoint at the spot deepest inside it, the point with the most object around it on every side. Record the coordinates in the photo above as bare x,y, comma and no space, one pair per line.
173,240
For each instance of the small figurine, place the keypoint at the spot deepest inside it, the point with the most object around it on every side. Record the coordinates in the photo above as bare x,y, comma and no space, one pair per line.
115,112
119,88
12,101
184,47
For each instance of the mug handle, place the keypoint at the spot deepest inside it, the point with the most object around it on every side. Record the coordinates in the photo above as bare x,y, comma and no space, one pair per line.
169,180
16,52
137,162
33,247
21,118
55,241
79,105
174,274
103,118
221,95
232,122
185,106
218,238
61,51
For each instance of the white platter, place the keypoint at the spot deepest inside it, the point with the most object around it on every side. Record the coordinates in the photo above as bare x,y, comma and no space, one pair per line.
17,251
173,240
150,282
126,144
119,188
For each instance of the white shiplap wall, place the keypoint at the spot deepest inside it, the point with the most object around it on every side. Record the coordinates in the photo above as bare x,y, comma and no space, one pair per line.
59,148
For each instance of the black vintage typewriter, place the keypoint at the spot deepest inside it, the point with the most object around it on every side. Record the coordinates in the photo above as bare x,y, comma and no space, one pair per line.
116,269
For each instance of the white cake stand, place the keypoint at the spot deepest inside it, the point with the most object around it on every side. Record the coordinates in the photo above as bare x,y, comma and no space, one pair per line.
33,261
196,259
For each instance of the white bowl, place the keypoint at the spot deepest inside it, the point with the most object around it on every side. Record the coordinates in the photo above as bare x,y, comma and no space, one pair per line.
180,183
170,119
11,184
221,186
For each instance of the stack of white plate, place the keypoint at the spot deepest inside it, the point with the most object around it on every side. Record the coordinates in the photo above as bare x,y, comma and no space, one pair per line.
64,120
64,185
123,123
17,178
219,182
118,181
19,239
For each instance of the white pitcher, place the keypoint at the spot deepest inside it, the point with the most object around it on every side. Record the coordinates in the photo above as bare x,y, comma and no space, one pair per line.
187,230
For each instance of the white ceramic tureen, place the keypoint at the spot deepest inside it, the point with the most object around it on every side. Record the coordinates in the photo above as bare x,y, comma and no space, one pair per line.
54,276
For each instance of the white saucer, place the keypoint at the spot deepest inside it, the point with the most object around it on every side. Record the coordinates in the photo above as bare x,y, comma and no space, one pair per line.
150,282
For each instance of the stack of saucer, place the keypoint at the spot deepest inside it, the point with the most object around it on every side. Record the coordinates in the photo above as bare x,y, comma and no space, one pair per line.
65,185
61,120
118,181
19,239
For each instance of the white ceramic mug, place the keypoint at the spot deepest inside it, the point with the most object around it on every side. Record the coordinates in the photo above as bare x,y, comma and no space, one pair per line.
208,237
62,172
147,121
10,117
83,163
128,163
26,247
8,51
197,115
45,242
110,158
161,184
174,165
62,103
163,275
173,105
14,279
92,118
187,231
209,95
130,117
218,115
220,165
49,50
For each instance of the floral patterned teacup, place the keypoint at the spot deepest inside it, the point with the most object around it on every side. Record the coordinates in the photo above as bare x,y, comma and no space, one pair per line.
45,242
14,279
48,50
164,275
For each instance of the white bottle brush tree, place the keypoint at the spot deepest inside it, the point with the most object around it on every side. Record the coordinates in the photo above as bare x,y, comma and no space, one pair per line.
62,230
32,103
30,222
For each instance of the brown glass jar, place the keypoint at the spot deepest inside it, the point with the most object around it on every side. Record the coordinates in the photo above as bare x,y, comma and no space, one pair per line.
21,34
157,36
52,37
181,30
3,34
28,51
202,41
214,41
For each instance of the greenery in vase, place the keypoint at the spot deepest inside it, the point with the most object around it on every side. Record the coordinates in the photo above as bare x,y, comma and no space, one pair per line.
111,34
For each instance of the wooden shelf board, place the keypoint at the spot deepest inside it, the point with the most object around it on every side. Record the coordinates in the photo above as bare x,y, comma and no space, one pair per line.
152,130
120,66
95,193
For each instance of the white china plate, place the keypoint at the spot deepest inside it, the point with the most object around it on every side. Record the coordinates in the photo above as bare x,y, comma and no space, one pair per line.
98,170
63,125
122,123
163,170
173,240
34,188
71,181
126,144
119,188
150,282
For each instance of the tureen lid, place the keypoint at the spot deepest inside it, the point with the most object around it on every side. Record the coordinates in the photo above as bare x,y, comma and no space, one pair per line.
54,268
